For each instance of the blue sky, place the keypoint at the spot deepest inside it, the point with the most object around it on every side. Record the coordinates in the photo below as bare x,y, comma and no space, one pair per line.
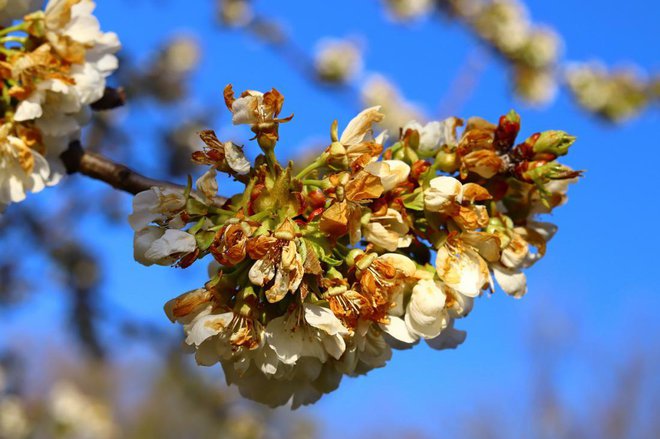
596,285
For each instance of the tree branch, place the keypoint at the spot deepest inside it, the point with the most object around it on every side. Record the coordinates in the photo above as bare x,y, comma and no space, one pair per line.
77,160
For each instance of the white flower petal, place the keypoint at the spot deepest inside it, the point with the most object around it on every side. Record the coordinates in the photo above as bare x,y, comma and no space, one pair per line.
513,282
208,326
398,329
324,319
449,338
425,315
442,193
170,244
286,343
236,159
392,173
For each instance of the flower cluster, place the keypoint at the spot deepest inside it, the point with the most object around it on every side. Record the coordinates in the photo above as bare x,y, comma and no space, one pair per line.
532,49
614,96
53,65
319,274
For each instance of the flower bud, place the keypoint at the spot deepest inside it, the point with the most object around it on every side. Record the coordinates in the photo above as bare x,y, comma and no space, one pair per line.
549,171
352,255
446,161
553,142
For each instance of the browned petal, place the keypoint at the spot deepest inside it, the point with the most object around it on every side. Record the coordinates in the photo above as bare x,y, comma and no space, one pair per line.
228,94
20,93
478,123
259,246
334,220
368,148
186,303
467,218
211,140
349,306
487,244
360,162
244,334
286,230
473,192
31,136
69,49
534,238
484,162
312,263
475,140
230,245
364,186
25,158
273,101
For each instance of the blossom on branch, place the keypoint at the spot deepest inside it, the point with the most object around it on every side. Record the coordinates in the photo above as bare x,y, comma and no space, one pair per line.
369,248
54,67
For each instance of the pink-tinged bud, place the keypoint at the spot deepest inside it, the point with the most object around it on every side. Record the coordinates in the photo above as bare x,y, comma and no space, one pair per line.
507,131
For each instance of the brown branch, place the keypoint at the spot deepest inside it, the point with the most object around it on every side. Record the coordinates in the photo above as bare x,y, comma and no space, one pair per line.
77,160
112,98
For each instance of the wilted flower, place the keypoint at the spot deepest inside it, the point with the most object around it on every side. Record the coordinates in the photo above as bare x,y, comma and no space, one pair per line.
461,267
388,231
259,110
278,259
74,34
357,145
320,274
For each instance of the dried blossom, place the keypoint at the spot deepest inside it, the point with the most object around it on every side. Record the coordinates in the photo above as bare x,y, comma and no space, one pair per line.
314,274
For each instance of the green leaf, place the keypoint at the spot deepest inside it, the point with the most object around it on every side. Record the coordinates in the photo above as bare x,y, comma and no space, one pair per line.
196,207
331,261
204,239
197,227
415,200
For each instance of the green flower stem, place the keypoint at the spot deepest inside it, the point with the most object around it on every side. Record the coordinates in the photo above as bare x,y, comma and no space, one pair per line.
316,164
13,39
315,183
259,215
271,160
21,27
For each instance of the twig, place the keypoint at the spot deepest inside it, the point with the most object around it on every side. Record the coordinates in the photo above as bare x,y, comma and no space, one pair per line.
112,98
98,167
